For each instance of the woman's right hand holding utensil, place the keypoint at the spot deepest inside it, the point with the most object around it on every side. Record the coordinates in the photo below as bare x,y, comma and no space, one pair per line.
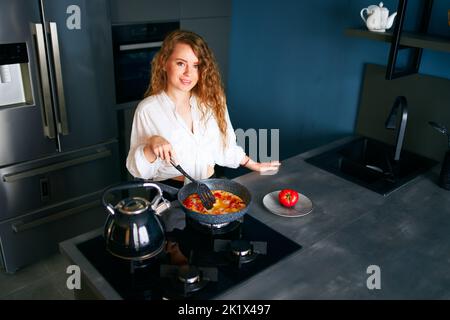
158,147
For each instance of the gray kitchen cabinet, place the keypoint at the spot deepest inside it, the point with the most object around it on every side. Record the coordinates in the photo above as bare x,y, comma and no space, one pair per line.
216,32
205,8
131,11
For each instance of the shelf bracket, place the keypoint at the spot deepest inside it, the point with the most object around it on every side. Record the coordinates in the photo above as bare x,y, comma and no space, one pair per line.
414,62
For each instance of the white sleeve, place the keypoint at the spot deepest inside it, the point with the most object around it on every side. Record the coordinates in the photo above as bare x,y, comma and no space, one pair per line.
233,154
137,164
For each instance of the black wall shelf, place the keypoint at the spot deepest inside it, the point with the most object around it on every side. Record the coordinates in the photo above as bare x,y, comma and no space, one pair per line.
413,41
409,39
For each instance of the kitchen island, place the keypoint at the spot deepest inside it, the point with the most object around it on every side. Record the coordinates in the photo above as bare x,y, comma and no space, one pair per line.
406,235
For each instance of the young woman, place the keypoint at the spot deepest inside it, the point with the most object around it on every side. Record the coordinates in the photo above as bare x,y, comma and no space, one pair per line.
184,117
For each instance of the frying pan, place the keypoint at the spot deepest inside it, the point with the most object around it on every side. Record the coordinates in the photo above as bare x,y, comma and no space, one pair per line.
214,184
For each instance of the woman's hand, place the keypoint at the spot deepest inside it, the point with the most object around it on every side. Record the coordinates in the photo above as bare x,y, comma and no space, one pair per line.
261,166
158,147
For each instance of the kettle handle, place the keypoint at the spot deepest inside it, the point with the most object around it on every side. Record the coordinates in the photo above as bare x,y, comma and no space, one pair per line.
362,14
130,185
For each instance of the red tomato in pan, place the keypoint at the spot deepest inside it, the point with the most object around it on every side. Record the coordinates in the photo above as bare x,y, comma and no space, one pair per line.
288,197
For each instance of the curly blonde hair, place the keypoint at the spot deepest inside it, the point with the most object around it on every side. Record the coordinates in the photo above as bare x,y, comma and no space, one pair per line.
209,88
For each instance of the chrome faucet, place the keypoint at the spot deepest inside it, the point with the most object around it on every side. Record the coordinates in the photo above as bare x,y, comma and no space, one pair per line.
391,123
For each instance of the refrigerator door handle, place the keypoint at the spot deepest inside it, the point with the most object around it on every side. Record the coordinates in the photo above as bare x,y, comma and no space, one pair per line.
47,113
63,126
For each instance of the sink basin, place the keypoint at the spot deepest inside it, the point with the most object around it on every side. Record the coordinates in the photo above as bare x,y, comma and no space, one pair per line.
370,163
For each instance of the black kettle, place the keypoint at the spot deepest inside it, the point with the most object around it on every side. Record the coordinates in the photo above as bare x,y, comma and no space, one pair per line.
132,230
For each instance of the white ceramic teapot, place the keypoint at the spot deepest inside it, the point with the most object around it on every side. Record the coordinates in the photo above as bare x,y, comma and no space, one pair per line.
378,18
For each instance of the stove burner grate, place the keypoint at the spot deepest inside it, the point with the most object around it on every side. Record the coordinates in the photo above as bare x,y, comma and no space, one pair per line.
189,274
241,248
183,281
214,229
240,251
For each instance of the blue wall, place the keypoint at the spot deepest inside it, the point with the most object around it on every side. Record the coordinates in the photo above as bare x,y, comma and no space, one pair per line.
292,67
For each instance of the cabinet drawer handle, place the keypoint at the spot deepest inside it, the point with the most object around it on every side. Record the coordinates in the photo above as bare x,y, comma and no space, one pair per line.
57,166
23,226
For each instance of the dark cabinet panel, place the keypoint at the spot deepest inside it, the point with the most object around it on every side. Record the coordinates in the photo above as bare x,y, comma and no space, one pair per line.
133,11
216,32
205,8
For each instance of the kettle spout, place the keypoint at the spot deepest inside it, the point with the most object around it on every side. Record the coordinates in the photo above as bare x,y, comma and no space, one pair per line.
390,20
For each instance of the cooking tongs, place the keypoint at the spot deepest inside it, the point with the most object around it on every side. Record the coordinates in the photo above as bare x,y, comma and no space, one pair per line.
203,191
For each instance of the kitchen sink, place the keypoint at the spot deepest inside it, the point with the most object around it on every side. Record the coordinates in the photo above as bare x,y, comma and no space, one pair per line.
370,163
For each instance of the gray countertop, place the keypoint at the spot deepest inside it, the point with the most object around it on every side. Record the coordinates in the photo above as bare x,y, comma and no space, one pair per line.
406,234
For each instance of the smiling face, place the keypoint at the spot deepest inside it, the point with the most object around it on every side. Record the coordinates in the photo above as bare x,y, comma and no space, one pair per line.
182,69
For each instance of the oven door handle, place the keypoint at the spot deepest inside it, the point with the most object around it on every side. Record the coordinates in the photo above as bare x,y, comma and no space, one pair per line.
136,46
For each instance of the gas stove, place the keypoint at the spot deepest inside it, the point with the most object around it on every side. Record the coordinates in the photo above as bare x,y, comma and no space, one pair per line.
199,261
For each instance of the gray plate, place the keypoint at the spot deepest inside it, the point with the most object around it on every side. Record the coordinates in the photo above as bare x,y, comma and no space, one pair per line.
303,207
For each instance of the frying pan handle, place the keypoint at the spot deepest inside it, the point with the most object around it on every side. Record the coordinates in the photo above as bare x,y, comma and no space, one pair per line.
130,185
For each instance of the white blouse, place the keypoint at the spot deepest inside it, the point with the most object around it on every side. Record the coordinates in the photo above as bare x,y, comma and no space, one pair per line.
156,115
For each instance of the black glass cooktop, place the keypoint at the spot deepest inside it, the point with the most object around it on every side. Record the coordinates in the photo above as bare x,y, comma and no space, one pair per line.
197,263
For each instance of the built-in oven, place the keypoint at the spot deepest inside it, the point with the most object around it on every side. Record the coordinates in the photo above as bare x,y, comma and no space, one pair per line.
134,47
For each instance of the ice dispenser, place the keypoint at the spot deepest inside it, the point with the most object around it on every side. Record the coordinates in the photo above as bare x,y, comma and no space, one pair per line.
15,85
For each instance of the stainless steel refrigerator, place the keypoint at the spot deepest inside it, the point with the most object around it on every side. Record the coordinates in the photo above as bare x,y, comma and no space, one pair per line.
58,147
